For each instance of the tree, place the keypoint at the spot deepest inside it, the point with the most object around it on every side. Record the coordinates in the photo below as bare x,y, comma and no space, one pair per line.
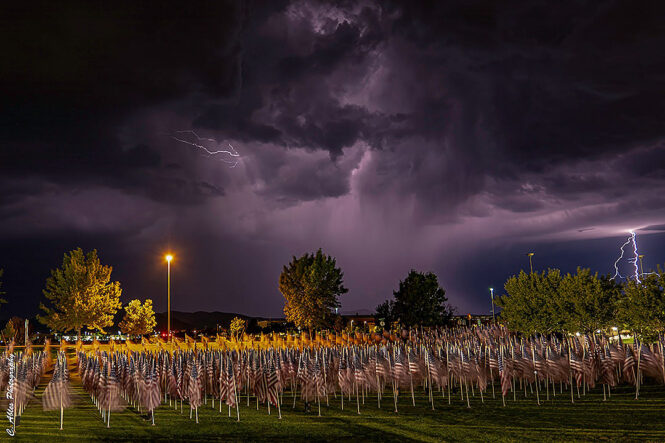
311,286
139,318
528,305
420,301
81,294
9,333
642,307
237,327
585,302
18,324
385,312
339,324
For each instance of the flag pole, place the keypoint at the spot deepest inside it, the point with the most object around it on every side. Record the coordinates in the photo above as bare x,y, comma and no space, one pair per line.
535,372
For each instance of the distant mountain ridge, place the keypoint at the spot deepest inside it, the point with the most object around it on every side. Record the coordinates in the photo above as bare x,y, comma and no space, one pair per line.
210,320
199,320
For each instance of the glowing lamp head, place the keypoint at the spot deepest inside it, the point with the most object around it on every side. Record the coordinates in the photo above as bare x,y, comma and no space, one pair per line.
169,257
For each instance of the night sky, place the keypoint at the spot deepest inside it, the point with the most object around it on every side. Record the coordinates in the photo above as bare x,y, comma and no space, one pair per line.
453,138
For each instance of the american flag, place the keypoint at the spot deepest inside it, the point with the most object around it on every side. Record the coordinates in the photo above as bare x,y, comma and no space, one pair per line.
272,384
359,371
432,364
230,384
194,388
505,376
398,368
414,369
58,394
151,393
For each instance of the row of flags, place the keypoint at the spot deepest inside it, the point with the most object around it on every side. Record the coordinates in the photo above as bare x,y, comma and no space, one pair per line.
20,374
437,360
244,342
442,363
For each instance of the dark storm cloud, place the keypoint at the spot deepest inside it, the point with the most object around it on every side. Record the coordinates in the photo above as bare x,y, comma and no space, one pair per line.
120,55
423,133
75,72
286,86
543,87
517,87
653,228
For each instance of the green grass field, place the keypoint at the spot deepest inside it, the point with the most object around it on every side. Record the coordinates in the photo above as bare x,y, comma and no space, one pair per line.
590,418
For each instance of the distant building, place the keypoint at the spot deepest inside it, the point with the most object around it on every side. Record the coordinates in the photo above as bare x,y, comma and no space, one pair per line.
472,319
360,320
270,323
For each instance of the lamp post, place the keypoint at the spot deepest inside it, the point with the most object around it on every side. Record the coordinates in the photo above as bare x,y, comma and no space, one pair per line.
530,255
168,257
492,297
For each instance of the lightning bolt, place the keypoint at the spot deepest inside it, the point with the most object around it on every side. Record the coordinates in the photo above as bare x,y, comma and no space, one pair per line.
632,238
616,263
197,143
636,257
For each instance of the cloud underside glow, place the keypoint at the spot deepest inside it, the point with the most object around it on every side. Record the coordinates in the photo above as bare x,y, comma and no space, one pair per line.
392,136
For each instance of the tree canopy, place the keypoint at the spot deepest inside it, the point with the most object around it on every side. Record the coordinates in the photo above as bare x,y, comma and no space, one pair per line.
237,327
527,305
420,301
586,302
311,286
139,318
583,302
385,312
80,294
642,308
9,333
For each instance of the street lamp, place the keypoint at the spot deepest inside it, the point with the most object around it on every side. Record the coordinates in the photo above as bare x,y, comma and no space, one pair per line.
492,296
530,255
168,258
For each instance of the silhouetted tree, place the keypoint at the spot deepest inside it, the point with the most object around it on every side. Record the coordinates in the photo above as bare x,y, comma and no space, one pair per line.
420,301
384,312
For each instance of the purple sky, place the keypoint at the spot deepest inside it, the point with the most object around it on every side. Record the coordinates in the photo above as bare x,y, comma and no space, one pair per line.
451,139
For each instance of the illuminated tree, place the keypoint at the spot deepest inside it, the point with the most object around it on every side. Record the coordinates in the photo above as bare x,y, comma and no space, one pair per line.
9,333
237,327
311,286
585,302
420,301
19,326
642,307
528,305
139,318
80,294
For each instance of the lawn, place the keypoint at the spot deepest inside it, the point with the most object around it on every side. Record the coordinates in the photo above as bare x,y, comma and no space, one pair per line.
590,418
